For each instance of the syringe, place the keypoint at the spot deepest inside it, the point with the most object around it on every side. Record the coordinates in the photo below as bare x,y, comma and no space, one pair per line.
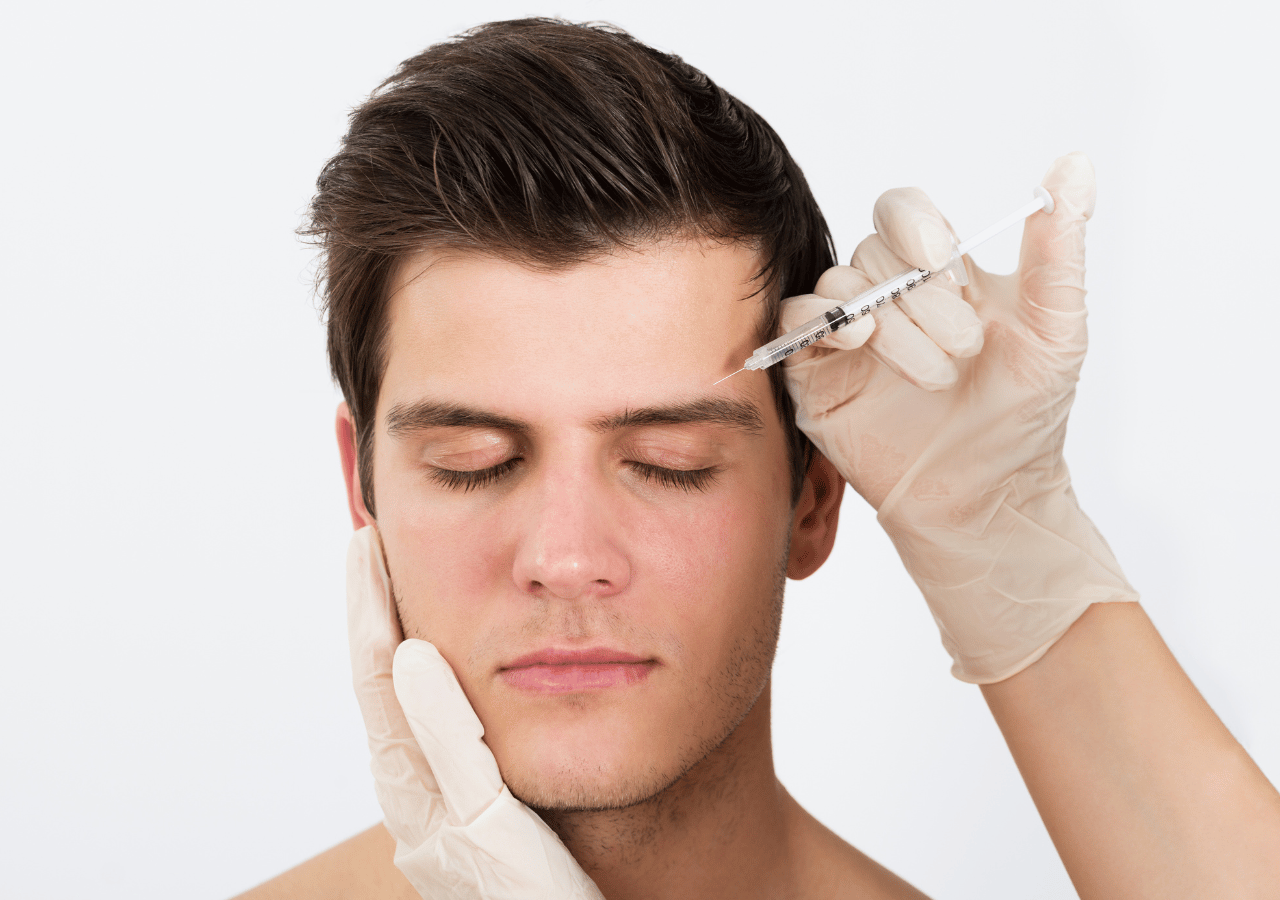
874,298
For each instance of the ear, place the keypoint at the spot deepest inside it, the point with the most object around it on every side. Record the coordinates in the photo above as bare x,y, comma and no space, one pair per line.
350,467
813,530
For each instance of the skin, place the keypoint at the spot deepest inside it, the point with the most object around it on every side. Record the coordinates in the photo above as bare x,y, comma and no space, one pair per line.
1144,791
553,468
600,522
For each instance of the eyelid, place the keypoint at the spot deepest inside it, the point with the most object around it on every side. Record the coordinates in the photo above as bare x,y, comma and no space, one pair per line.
672,461
690,462
688,480
673,452
468,480
467,449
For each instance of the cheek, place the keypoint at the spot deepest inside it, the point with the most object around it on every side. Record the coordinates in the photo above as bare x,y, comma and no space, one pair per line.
445,560
714,568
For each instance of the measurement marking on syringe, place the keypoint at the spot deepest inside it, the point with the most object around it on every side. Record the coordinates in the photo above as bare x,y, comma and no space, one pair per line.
893,288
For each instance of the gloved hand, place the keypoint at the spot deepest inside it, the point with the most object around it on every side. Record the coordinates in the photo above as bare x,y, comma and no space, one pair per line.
951,422
459,832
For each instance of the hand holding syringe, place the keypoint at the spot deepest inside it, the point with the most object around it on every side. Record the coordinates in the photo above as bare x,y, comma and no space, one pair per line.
956,438
886,291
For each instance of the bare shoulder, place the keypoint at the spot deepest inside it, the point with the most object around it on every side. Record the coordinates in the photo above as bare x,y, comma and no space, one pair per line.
829,866
361,866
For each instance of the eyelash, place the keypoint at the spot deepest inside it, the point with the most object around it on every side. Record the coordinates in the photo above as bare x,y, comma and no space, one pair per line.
685,479
473,480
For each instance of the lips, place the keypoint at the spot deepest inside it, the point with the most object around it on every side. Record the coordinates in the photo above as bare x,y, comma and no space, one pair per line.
559,671
585,657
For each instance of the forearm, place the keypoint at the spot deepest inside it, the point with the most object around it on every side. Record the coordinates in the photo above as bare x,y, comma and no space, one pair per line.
1143,790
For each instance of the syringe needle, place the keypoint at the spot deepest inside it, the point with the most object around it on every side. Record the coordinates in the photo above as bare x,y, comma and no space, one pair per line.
730,375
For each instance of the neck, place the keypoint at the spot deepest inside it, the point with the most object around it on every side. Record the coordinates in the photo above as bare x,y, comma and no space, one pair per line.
722,829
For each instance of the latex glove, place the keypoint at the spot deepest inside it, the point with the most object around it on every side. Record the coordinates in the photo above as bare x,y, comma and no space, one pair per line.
459,832
967,474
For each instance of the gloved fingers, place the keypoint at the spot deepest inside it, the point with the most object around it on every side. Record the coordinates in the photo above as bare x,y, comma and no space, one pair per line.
373,631
822,377
841,284
520,857
406,789
447,729
913,229
909,352
936,307
796,311
1051,264
948,320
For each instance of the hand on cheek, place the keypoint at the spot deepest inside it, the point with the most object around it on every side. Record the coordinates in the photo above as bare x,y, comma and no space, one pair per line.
458,830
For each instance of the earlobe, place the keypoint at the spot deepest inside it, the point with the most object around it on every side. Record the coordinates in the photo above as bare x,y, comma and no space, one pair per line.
346,430
813,530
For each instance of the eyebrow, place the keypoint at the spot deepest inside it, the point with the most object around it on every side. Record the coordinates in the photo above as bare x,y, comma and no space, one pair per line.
738,414
406,418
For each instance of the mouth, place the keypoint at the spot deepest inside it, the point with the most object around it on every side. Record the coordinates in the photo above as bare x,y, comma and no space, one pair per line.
554,671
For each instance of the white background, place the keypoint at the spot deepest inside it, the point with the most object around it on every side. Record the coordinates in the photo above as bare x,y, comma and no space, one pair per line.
176,715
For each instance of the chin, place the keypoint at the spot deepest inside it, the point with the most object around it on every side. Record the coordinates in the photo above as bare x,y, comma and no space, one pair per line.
606,768
572,791
562,778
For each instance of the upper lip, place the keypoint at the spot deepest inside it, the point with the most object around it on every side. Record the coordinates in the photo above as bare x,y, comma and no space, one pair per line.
552,656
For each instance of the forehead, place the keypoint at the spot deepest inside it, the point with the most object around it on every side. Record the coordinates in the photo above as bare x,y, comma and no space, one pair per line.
631,328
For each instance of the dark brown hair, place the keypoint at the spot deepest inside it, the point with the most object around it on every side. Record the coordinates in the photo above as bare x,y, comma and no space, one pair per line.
549,143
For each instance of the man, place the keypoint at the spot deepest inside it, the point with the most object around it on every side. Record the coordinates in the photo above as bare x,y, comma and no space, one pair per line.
545,245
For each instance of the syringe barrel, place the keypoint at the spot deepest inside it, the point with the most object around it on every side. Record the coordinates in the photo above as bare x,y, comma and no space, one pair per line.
798,338
838,317
870,300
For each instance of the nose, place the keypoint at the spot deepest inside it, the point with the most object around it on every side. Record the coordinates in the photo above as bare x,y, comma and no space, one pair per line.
571,542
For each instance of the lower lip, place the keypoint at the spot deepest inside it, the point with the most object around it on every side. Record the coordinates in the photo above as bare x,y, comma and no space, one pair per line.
576,678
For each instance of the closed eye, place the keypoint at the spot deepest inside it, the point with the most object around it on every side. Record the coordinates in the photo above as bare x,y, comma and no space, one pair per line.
470,480
685,479
473,479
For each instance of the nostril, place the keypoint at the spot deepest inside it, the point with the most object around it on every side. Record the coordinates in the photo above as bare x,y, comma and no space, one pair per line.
569,561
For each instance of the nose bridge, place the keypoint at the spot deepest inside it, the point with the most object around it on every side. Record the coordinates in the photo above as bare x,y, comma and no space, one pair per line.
570,545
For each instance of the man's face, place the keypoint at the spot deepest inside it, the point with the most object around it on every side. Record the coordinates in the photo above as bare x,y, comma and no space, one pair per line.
590,533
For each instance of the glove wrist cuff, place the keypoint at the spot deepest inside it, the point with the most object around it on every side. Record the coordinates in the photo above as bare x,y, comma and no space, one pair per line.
1004,591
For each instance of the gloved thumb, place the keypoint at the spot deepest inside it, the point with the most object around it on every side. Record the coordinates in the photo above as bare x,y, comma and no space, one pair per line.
1051,266
447,729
